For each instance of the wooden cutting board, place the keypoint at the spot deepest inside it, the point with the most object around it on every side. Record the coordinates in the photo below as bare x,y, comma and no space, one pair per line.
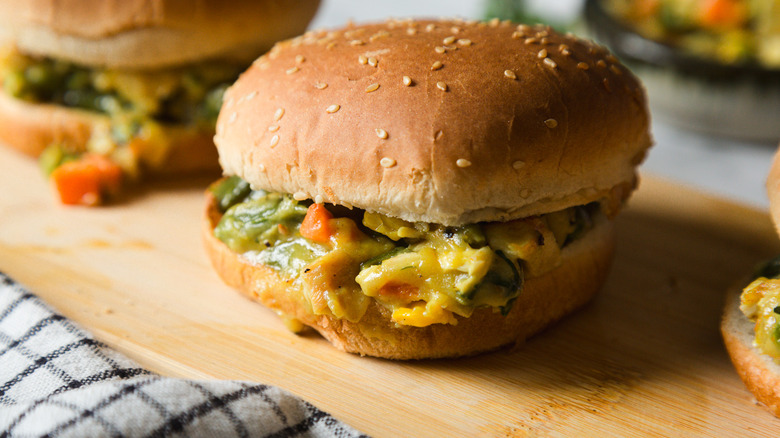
644,358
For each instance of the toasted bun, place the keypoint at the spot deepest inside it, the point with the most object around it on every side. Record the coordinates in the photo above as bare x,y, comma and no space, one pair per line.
499,121
151,34
30,128
542,301
773,190
759,371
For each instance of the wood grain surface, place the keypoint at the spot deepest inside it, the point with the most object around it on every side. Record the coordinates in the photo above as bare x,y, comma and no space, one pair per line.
644,358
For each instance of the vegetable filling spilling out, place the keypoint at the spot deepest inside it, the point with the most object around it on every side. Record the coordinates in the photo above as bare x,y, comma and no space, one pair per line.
425,274
760,302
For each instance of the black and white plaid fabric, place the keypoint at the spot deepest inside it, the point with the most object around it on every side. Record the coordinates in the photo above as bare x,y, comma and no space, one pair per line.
57,380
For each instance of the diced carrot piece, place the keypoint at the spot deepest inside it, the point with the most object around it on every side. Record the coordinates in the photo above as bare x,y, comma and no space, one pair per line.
87,180
723,13
315,225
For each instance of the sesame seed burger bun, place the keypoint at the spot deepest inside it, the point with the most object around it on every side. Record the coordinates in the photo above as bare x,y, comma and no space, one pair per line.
444,122
488,130
30,128
151,34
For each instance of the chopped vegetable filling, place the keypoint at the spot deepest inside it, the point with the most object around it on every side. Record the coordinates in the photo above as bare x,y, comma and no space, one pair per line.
138,104
423,273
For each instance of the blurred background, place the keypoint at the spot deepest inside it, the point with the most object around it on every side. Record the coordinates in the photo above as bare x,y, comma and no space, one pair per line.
711,68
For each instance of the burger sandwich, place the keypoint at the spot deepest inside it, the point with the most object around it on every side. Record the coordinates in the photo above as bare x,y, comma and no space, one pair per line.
424,189
107,90
751,318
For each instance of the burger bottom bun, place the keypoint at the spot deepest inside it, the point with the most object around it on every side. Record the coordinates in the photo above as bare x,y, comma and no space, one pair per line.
757,370
543,301
30,128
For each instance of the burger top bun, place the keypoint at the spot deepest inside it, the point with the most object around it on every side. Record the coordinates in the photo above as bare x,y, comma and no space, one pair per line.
773,190
151,33
449,122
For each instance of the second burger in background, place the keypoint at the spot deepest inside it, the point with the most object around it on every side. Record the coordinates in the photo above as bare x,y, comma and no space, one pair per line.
108,90
419,189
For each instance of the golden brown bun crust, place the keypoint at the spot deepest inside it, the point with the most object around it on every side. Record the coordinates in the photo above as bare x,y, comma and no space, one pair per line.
758,371
30,128
508,126
542,301
773,190
151,33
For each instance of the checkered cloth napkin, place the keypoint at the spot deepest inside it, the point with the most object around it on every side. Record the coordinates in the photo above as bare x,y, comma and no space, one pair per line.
57,380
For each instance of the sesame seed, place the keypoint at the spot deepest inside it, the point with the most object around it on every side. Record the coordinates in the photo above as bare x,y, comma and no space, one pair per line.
274,141
437,135
372,87
319,199
494,22
273,128
407,80
440,50
611,58
530,40
563,47
279,114
517,35
362,59
455,29
582,66
387,162
229,103
372,61
542,53
544,41
356,42
430,27
332,109
451,47
542,34
601,63
517,165
523,27
299,59
448,40
437,65
292,70
565,52
510,74
464,42
551,123
299,196
381,133
462,162
615,69
250,96
330,45
550,63
411,31
233,118
261,167
605,82
320,85
441,86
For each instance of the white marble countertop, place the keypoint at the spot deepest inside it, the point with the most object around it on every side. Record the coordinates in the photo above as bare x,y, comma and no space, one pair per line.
725,167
